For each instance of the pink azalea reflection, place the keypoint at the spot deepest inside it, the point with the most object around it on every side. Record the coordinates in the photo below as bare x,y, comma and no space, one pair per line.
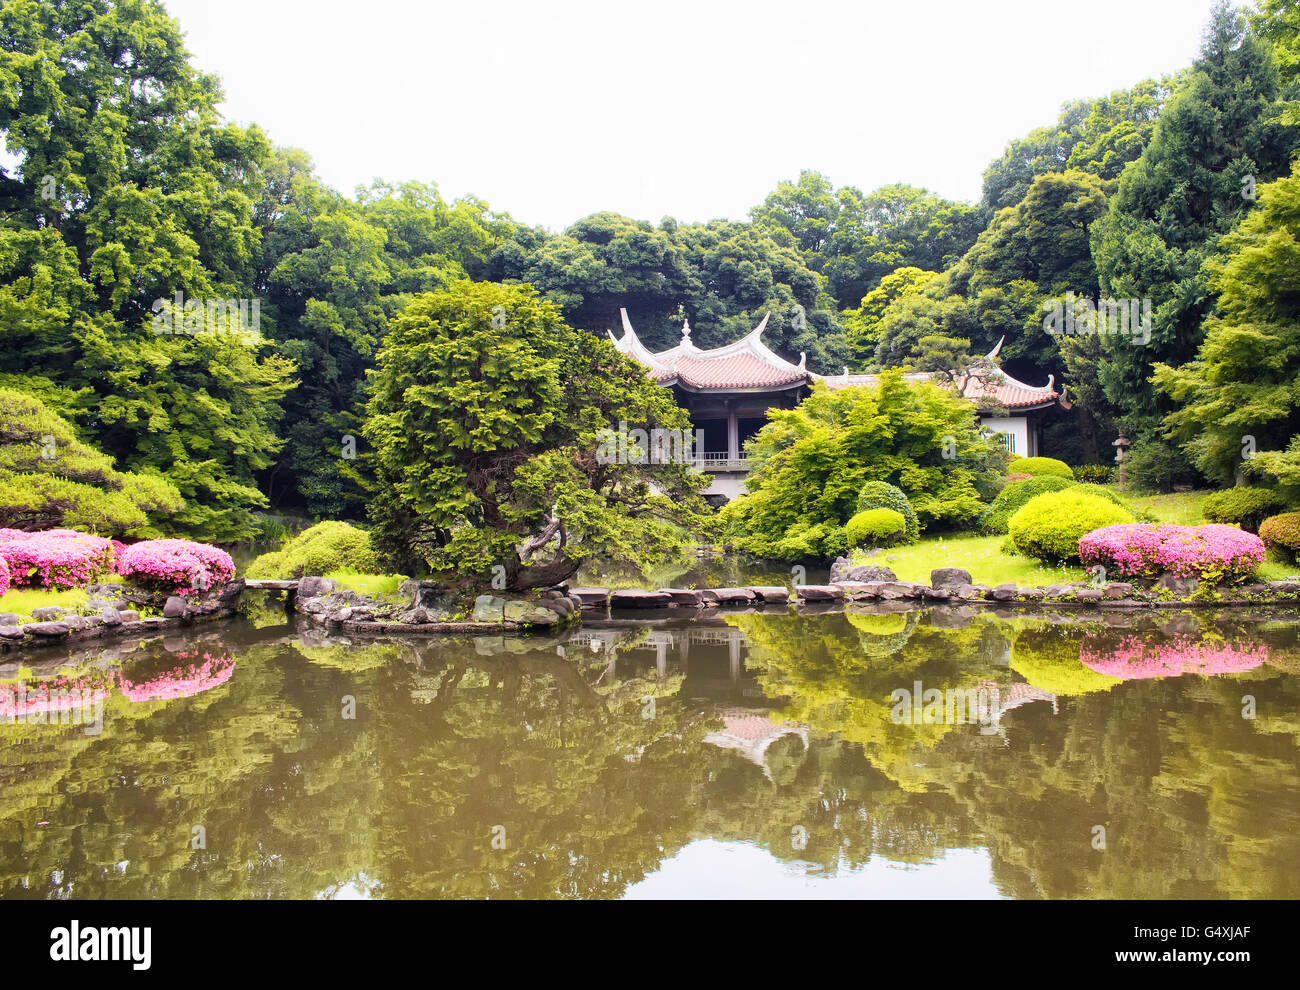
1134,657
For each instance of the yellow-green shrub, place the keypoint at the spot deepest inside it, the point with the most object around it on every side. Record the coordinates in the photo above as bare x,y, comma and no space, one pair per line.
875,527
1049,526
1039,466
325,547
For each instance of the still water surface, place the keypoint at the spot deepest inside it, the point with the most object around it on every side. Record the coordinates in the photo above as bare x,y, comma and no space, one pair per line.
747,755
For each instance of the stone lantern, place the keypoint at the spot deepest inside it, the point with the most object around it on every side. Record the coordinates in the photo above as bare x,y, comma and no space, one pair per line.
1121,445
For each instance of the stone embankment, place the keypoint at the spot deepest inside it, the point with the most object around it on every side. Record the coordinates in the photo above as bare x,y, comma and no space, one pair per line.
948,585
427,608
114,611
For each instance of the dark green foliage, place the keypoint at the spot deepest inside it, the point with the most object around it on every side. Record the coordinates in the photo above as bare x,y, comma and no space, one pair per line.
49,479
809,465
487,419
1172,206
129,190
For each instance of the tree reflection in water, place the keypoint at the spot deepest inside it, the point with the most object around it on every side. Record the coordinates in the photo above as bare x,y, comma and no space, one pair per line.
574,768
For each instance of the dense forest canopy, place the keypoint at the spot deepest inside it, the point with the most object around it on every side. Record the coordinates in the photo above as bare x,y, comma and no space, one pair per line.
123,191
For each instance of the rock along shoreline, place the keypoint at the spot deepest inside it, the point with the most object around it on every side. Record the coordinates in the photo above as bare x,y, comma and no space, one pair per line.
113,608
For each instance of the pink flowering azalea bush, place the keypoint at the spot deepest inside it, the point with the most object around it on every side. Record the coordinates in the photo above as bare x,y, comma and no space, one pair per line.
55,558
4,576
1138,657
190,677
175,565
1212,553
1018,476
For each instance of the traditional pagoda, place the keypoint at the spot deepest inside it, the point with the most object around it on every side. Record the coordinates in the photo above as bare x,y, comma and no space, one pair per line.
728,390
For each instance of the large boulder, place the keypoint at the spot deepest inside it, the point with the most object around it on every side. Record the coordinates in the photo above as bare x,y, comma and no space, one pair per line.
429,595
47,629
1181,586
843,570
174,608
488,608
312,587
949,577
530,613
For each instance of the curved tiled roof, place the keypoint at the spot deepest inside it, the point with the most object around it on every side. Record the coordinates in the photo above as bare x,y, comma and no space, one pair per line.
750,364
746,364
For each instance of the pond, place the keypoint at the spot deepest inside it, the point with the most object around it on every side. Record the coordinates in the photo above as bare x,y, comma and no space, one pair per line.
736,755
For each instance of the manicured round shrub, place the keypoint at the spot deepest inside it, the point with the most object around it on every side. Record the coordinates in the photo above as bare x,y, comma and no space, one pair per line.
882,495
876,527
325,547
1039,466
175,565
1282,531
56,558
1049,526
1211,553
4,576
1245,506
995,518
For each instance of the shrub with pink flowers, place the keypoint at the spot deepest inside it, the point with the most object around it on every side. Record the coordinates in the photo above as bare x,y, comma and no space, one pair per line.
1136,657
1018,476
175,565
4,576
55,558
1212,553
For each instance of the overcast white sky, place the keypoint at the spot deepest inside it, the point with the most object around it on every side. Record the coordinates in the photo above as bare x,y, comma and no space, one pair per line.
554,110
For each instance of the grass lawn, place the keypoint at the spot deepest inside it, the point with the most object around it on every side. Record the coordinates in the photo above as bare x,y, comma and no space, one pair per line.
981,555
376,585
1178,508
988,564
21,601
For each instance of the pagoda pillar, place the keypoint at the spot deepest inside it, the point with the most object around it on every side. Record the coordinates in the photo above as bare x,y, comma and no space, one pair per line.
733,434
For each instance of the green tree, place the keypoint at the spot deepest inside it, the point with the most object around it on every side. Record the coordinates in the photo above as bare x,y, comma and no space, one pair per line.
1244,380
487,419
808,464
1217,134
129,190
49,479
